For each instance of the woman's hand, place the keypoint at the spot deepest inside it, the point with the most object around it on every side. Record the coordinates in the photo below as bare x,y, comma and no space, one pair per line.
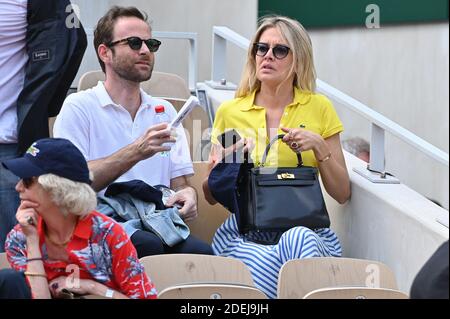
27,217
62,285
301,140
219,153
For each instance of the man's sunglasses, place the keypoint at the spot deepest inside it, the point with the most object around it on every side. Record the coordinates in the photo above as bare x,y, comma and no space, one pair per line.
279,51
135,43
28,181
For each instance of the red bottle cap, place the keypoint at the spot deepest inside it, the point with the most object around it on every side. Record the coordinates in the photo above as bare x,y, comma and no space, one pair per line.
159,108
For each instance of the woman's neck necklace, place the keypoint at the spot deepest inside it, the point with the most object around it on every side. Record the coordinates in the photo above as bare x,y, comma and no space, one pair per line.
59,244
273,101
63,244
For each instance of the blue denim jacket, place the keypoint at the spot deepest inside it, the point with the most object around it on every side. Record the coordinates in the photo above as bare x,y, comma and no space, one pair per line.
140,215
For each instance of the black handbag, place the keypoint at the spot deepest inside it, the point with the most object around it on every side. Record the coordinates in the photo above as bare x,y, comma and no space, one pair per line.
279,198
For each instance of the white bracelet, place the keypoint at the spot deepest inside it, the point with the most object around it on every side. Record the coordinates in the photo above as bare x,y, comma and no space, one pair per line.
109,293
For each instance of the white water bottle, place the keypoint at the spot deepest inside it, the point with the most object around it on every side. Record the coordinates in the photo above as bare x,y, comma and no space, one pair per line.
162,117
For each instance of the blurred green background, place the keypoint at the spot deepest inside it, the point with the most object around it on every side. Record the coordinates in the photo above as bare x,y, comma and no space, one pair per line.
335,13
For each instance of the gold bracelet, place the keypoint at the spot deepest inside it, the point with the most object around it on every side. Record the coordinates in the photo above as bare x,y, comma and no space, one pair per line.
35,259
326,158
34,274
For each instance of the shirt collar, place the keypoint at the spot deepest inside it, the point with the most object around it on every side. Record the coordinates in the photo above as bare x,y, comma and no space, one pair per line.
105,99
300,98
84,227
82,230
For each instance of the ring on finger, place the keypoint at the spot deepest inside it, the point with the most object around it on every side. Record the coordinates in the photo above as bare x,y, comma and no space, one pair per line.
294,145
30,220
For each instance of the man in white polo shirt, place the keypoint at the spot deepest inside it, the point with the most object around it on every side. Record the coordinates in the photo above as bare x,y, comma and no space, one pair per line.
114,124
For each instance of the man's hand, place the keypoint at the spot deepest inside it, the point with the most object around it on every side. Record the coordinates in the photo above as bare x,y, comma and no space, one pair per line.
151,142
187,198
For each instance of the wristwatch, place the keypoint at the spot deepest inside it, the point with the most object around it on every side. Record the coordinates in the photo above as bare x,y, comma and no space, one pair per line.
109,293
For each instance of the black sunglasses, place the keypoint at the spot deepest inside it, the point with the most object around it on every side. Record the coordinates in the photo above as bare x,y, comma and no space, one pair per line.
28,181
135,43
279,51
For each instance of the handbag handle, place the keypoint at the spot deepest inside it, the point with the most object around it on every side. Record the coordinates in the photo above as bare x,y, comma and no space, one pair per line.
266,152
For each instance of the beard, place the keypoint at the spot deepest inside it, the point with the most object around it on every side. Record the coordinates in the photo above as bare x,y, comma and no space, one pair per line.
128,70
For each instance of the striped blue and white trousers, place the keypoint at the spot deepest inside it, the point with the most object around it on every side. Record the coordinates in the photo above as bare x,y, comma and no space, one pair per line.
265,261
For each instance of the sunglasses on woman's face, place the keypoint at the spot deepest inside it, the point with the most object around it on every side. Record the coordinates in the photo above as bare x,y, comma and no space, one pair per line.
279,51
135,43
28,181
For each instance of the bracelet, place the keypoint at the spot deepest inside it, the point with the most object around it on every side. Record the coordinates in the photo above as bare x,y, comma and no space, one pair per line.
34,274
109,293
326,158
34,259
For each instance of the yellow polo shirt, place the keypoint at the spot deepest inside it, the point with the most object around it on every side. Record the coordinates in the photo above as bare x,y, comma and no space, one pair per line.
310,111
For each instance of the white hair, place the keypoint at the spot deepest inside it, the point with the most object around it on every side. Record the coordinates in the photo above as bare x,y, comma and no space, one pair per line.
356,145
71,197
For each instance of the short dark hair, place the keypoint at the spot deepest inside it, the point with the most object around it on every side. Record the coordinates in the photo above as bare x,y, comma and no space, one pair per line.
103,33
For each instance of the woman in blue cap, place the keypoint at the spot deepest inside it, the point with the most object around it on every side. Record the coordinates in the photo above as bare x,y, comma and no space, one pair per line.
277,96
62,247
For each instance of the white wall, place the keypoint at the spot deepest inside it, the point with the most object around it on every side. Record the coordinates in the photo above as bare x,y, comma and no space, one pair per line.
401,72
388,223
184,16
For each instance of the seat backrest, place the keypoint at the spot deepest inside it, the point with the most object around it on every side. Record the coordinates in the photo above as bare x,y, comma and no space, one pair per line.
90,79
355,293
161,84
300,276
210,217
175,269
211,291
4,261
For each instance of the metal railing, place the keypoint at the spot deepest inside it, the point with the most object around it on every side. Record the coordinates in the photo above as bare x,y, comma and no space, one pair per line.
193,50
219,64
380,124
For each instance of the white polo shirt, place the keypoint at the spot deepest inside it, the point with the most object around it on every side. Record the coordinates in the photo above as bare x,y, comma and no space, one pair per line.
99,128
13,58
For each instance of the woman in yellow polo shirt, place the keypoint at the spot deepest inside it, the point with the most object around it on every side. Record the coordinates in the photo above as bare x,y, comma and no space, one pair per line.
277,95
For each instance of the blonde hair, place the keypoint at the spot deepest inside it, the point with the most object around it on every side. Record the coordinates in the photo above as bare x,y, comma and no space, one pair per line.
71,197
299,43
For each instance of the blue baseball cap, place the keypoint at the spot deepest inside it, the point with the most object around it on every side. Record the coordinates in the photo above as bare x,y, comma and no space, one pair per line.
56,156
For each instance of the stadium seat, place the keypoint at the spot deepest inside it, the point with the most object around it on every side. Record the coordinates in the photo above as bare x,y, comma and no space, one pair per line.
298,277
355,293
211,291
176,269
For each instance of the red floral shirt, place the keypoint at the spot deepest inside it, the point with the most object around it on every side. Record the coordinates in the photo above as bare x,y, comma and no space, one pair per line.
100,250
